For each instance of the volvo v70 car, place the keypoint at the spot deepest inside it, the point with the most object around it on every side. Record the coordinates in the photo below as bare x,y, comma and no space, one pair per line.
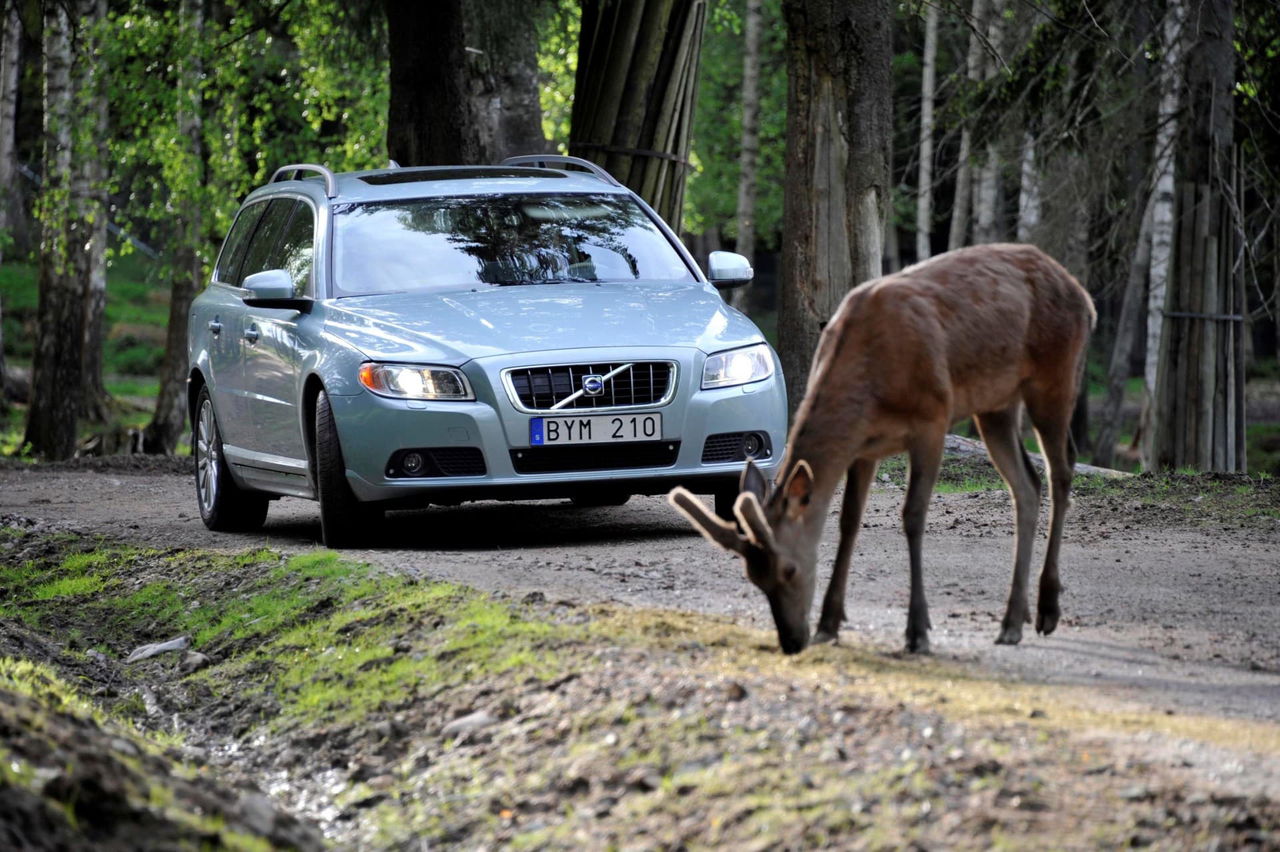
407,336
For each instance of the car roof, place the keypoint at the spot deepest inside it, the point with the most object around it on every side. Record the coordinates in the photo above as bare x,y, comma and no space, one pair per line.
436,181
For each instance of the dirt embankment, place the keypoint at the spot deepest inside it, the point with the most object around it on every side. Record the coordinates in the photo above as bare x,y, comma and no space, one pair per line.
377,704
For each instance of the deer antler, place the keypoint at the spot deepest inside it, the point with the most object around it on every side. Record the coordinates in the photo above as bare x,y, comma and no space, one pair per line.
716,530
751,514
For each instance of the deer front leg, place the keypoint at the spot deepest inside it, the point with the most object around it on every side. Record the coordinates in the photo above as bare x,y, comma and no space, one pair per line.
861,474
925,455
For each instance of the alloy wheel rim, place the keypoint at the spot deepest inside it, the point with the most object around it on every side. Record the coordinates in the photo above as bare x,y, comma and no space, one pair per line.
207,457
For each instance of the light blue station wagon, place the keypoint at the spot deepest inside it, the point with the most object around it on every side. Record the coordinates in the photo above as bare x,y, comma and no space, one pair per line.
394,338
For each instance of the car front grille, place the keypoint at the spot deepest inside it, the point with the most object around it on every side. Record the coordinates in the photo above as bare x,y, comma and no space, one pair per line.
640,383
595,457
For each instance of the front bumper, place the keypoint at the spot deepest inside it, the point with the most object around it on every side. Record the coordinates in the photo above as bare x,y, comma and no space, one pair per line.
374,429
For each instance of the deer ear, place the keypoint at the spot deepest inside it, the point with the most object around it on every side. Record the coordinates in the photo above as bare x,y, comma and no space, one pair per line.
753,482
716,530
751,516
798,488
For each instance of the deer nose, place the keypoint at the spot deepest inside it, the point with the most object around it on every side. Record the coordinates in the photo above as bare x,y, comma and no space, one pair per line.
793,642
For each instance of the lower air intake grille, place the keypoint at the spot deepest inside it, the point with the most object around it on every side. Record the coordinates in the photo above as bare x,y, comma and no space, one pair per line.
595,457
736,447
437,462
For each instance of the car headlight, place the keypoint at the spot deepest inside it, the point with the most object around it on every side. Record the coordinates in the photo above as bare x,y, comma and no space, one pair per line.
413,381
737,367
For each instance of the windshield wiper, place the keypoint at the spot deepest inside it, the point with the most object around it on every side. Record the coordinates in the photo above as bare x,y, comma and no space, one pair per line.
566,279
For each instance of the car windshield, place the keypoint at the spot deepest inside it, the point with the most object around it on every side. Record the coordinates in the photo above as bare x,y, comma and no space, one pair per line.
435,244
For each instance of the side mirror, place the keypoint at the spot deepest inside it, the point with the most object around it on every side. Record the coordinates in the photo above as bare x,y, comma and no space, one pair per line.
273,288
726,269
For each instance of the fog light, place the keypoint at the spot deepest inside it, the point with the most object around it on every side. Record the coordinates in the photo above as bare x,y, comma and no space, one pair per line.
752,445
412,463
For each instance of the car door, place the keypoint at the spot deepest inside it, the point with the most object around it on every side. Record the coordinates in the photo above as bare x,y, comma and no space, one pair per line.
270,336
218,324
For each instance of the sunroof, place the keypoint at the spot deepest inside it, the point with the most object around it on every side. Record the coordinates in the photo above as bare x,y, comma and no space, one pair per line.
419,175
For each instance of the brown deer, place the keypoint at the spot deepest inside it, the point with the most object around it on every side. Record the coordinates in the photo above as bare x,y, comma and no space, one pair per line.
981,332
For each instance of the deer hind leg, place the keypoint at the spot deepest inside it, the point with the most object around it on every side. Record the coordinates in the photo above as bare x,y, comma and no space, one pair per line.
861,474
1000,431
1051,416
925,456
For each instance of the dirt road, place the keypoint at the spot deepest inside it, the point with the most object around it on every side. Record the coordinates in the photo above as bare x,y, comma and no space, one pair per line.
1167,609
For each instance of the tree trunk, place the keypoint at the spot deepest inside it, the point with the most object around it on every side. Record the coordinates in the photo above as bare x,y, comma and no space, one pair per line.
634,94
1198,419
924,183
838,178
430,119
91,167
168,423
746,245
502,65
986,207
56,368
10,58
1162,211
964,170
1126,335
1028,191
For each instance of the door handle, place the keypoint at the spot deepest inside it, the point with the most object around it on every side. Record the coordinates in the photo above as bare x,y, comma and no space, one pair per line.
215,327
251,334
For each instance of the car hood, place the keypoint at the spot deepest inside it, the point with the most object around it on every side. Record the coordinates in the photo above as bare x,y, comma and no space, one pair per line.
458,326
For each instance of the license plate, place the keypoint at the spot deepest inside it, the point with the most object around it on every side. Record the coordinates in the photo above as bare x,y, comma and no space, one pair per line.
600,429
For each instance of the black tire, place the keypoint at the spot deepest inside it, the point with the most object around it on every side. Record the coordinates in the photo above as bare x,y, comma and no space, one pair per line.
600,499
224,505
344,520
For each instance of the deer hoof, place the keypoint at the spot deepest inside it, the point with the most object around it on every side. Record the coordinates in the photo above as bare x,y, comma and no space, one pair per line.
1046,622
824,637
918,644
1010,634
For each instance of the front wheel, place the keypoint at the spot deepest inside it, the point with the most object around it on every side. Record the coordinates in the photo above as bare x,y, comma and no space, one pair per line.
344,520
224,506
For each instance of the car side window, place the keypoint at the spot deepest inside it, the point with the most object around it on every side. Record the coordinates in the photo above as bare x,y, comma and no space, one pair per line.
232,254
262,245
294,254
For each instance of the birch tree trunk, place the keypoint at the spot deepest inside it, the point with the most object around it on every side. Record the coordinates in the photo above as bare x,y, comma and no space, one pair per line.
838,178
10,58
91,168
53,415
1162,209
1028,190
987,192
168,422
924,181
746,245
634,94
964,169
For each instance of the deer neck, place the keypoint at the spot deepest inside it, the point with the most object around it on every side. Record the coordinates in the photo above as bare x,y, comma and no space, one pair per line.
829,444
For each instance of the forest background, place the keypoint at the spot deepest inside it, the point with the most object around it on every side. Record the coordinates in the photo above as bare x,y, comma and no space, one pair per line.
1135,141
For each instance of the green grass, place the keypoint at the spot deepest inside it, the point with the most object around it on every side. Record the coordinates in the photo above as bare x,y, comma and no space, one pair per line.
137,314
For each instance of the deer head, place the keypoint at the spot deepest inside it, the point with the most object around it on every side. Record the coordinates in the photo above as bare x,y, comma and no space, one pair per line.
779,546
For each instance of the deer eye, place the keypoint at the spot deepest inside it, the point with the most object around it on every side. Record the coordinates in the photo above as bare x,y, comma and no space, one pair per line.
788,573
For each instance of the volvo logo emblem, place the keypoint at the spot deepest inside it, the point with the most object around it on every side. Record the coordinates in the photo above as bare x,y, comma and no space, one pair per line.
593,385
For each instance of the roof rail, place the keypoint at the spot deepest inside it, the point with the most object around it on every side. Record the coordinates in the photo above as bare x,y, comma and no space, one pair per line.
330,182
549,160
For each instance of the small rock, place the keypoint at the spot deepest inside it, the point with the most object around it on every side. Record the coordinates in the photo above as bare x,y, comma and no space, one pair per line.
1137,793
193,661
644,778
735,691
468,724
181,643
1037,713
258,813
381,782
95,654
